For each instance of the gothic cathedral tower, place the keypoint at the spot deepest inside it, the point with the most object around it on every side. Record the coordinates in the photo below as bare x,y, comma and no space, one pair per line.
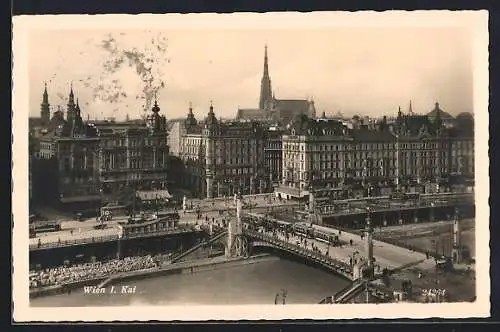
71,111
45,108
265,85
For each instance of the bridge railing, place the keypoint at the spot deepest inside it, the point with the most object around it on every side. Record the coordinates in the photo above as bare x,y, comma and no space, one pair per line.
339,266
351,292
181,254
107,238
348,293
72,242
420,204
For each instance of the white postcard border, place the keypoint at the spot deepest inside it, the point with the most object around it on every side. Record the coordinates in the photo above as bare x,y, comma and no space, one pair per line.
477,21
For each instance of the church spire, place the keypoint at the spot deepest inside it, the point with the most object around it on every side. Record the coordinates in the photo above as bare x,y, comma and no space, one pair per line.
45,107
71,95
77,108
410,109
266,66
265,85
45,95
70,114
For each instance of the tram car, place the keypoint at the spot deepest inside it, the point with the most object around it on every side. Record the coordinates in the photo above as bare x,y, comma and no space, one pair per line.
311,233
43,227
304,230
170,215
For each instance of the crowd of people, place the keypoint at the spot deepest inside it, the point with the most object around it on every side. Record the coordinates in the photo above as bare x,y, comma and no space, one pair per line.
302,241
292,237
88,271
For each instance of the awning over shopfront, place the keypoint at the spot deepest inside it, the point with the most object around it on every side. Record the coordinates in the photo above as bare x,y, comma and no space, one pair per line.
151,195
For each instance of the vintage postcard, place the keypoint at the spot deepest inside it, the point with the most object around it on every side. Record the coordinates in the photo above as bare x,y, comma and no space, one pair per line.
270,166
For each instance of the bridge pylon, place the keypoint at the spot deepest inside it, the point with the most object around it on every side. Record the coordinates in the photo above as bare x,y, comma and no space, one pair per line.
237,244
456,252
369,243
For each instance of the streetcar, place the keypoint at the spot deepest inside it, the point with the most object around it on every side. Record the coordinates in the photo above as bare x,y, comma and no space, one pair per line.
311,233
304,230
326,238
411,196
170,215
45,227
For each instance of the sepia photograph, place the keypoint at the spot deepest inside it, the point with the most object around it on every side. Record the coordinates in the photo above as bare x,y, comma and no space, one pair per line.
258,166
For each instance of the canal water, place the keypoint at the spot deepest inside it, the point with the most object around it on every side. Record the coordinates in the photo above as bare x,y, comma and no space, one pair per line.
249,284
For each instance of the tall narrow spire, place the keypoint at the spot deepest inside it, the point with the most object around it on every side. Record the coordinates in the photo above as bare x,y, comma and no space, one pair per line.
71,94
70,114
410,109
266,65
265,85
77,108
45,107
71,98
45,95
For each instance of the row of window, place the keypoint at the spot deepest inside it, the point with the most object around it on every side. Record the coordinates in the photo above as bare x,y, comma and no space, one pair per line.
302,176
375,146
374,164
134,164
370,155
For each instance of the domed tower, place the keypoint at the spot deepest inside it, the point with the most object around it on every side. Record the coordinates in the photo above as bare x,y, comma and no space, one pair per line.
156,122
210,131
190,121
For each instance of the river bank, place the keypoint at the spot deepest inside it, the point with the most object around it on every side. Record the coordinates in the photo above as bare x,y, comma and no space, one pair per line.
190,267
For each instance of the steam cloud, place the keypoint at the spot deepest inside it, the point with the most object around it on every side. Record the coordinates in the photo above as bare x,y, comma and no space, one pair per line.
148,62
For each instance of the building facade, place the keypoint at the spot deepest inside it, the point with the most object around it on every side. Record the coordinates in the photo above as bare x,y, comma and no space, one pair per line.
273,154
327,156
223,158
68,159
176,130
134,155
82,165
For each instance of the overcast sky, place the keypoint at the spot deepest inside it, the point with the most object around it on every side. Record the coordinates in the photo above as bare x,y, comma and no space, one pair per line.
366,71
